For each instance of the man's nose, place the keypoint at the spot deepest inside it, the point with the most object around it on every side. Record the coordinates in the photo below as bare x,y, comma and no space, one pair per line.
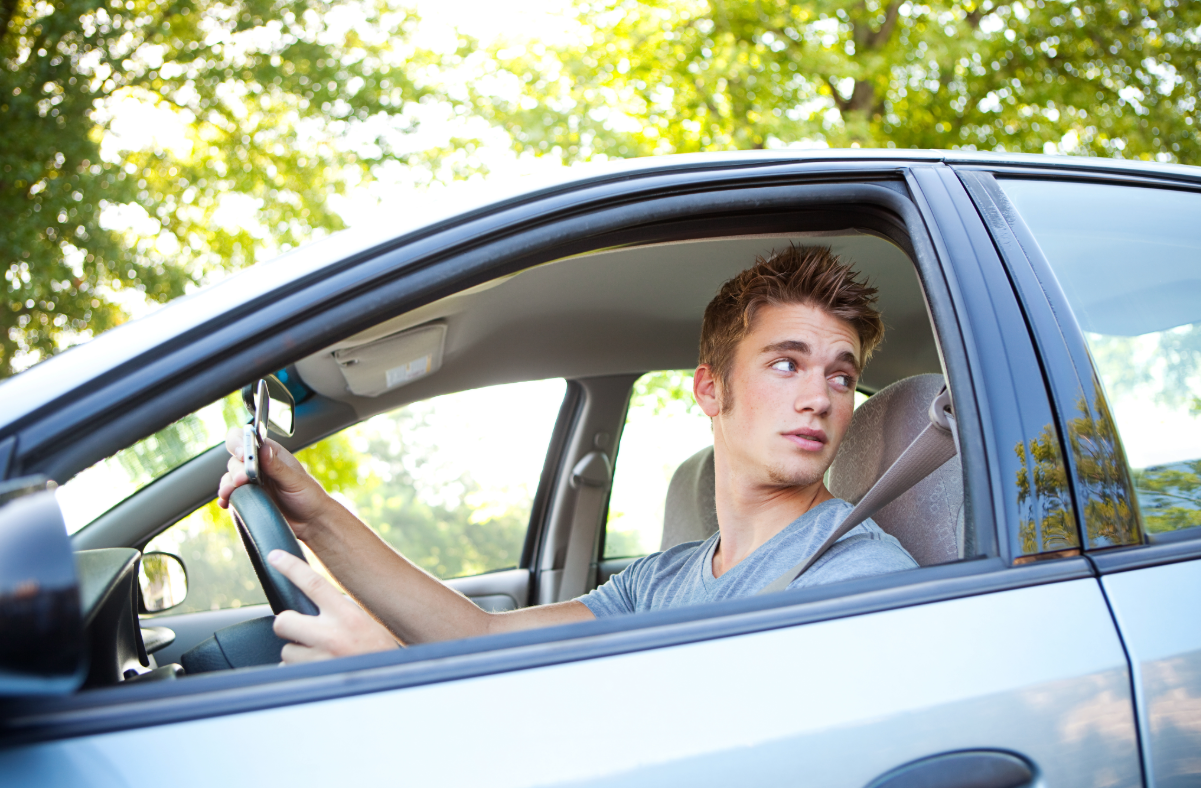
813,395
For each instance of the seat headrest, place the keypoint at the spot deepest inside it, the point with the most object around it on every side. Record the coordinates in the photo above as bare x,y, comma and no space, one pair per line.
689,513
928,518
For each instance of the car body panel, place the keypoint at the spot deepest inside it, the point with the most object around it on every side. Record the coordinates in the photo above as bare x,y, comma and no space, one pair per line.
1156,609
1036,671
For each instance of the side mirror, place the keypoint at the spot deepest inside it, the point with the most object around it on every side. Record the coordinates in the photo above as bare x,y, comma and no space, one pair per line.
163,580
271,404
42,646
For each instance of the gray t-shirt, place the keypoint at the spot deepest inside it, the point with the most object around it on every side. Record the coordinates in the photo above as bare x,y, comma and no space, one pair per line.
683,575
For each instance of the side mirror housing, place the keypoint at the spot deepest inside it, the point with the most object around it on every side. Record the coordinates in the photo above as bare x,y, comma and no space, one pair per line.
42,648
163,581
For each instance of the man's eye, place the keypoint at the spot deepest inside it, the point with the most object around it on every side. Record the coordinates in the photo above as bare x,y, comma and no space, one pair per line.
784,365
844,381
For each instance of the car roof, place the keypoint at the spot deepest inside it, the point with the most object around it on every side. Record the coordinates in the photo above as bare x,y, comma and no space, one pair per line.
24,393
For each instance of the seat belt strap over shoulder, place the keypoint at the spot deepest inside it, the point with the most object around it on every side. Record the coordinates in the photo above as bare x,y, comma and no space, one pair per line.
933,446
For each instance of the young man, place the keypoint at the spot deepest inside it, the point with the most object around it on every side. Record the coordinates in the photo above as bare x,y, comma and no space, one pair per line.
782,346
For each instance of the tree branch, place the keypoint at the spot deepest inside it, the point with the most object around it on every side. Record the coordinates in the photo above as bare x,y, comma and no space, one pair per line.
8,9
881,36
842,104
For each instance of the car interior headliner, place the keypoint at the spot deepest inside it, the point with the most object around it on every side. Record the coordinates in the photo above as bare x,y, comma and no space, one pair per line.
619,311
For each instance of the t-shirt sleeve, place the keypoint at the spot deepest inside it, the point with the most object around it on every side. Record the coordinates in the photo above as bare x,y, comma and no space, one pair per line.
618,596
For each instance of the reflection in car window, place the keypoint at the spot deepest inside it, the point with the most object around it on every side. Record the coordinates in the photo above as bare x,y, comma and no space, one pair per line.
449,482
1129,261
95,490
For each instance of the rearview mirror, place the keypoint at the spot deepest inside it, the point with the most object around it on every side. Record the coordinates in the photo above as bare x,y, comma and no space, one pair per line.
271,404
163,580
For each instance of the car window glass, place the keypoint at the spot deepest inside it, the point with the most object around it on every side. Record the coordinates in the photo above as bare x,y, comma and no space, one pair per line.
1129,261
664,426
95,490
449,482
219,572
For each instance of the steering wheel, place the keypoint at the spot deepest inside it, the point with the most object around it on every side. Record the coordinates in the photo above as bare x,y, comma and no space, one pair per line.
254,642
263,529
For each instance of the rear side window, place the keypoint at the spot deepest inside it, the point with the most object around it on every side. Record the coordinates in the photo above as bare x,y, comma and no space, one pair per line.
664,426
1129,261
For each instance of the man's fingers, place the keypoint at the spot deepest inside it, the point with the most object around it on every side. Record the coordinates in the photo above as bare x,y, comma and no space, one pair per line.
294,654
297,627
313,585
233,442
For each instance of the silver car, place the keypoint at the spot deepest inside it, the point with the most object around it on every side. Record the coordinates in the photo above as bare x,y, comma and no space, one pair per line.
1050,637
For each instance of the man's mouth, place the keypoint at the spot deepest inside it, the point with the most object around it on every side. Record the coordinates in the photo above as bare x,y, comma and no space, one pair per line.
807,439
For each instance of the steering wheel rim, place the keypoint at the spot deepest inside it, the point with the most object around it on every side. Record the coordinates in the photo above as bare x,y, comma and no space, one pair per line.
263,529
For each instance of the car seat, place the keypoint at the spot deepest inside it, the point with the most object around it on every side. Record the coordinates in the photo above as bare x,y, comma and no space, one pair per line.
927,519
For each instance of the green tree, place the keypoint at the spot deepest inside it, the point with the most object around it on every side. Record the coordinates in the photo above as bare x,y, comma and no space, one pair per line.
280,104
650,76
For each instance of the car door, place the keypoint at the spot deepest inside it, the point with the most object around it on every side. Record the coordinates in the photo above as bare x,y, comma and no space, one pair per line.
1008,662
1118,260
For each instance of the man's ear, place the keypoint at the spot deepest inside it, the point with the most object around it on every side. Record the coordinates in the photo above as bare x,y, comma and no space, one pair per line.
705,389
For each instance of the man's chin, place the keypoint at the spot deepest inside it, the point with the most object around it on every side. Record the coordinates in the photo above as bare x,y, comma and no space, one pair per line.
782,476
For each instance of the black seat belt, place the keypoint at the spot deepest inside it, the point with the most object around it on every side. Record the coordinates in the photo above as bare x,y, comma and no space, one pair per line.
933,446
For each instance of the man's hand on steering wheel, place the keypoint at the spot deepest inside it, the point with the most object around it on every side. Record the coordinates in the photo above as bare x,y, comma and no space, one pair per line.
297,494
339,630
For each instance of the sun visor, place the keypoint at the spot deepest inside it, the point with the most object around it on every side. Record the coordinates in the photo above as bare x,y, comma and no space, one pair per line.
384,364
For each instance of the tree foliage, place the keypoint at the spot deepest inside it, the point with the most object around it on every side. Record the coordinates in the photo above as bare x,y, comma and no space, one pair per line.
649,76
278,104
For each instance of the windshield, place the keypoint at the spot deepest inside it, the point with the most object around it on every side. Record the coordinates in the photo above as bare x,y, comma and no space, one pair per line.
94,491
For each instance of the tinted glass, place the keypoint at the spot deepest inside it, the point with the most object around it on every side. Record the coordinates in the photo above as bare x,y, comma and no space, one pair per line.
1129,261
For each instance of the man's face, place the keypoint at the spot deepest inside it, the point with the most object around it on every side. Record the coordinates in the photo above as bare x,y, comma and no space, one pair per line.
793,384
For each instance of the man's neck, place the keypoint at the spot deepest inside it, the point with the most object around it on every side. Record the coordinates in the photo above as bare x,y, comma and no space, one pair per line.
750,513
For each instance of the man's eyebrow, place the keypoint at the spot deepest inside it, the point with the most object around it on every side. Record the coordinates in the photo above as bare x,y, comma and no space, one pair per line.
796,346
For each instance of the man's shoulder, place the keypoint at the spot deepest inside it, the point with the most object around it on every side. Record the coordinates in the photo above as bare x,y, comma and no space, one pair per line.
864,551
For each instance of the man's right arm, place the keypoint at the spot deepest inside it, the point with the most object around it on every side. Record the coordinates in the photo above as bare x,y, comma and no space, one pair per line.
412,604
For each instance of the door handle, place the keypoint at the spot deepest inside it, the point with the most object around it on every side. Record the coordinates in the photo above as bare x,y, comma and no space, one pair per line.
964,769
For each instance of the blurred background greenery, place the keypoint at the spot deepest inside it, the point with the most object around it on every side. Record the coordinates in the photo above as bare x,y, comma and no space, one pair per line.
151,146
